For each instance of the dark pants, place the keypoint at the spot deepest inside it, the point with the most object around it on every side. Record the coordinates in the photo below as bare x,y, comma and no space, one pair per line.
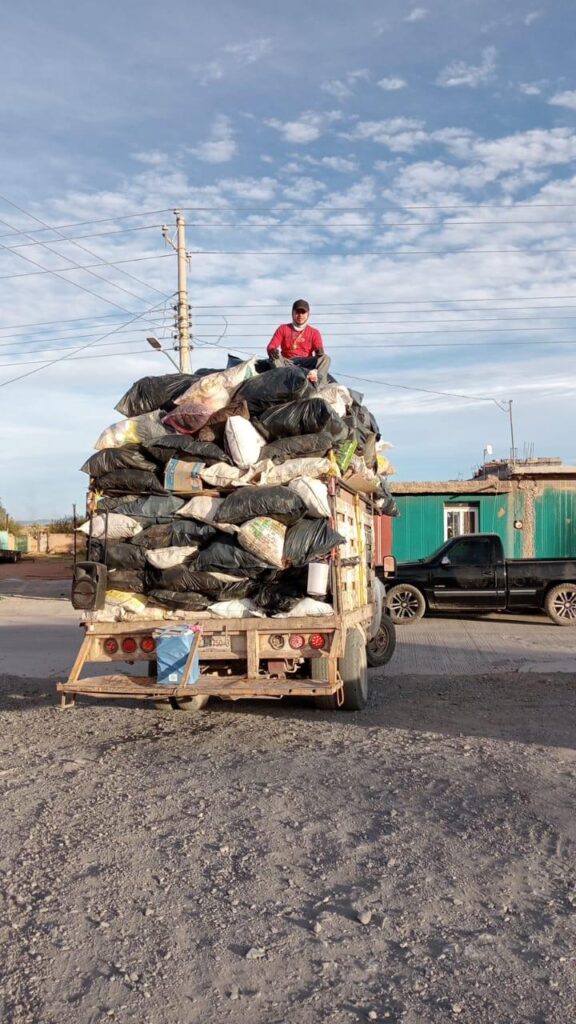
319,363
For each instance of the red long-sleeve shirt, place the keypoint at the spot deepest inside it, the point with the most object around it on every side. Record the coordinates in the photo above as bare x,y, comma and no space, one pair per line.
294,344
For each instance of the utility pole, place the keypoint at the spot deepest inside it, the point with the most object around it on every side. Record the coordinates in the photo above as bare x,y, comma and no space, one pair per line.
182,308
512,449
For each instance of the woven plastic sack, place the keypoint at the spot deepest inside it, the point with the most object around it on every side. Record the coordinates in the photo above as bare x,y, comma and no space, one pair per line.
165,558
264,537
314,494
126,600
243,442
136,430
288,471
202,508
209,391
183,477
306,607
113,526
238,608
337,396
222,476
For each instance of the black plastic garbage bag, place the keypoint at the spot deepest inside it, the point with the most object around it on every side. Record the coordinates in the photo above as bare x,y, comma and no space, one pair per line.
135,581
273,388
172,599
185,578
306,446
131,481
185,448
129,456
226,555
385,500
260,366
147,509
121,555
361,424
310,539
177,533
281,593
245,503
150,393
303,417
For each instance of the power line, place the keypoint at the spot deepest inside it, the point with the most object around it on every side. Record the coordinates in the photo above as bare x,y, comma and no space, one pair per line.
74,359
518,251
368,206
111,220
88,266
96,234
370,224
52,362
386,302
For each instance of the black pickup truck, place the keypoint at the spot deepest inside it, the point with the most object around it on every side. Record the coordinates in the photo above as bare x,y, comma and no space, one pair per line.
469,573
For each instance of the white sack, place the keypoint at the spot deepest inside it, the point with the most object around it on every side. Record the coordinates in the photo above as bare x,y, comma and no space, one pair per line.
264,537
243,441
314,494
238,608
119,527
307,606
134,430
202,508
165,558
296,467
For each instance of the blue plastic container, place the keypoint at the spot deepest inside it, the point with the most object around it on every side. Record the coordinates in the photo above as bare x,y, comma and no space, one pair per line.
173,645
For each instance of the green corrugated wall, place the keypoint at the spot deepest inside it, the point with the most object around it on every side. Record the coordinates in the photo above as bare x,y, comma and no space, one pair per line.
555,523
420,527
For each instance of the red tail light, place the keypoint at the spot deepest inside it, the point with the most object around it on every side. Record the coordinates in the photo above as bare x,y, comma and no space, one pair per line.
296,641
148,645
110,645
129,645
317,641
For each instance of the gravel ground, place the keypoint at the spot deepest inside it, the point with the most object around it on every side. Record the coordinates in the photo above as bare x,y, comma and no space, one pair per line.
268,862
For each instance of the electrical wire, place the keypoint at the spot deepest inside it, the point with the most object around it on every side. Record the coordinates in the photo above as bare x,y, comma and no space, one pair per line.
518,251
93,234
88,266
52,362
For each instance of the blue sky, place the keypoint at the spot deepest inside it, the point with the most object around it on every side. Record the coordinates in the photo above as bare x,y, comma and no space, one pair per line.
410,169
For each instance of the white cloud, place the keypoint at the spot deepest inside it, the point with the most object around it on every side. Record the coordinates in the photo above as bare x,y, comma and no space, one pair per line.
308,128
399,134
221,147
417,14
344,165
530,89
206,73
460,73
251,51
343,88
152,158
532,17
564,99
392,84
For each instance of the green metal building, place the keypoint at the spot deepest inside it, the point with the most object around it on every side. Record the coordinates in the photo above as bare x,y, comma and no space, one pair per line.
531,504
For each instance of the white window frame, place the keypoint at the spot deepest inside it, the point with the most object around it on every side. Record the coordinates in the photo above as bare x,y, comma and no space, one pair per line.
460,508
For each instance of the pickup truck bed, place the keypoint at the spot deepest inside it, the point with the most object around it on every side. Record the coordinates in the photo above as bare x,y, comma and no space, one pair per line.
9,556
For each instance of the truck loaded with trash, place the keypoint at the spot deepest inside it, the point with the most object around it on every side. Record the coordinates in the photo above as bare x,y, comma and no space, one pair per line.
232,535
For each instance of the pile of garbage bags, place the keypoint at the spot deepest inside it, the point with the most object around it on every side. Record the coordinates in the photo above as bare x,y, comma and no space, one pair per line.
211,495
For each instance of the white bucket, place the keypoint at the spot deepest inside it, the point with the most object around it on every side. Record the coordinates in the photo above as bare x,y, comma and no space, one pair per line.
318,576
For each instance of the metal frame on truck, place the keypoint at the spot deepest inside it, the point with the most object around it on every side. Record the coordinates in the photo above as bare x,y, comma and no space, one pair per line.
322,657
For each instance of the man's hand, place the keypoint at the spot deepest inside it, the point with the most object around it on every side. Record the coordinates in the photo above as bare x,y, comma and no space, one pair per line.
313,376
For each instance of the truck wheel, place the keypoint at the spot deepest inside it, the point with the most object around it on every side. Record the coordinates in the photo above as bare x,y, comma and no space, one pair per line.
560,604
353,670
380,649
191,704
405,603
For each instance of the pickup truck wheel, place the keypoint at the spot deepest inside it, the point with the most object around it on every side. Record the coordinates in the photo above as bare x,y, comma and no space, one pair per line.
190,704
560,604
353,668
405,603
380,649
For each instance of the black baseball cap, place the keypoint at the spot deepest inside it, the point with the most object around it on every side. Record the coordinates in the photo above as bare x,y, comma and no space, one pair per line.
301,304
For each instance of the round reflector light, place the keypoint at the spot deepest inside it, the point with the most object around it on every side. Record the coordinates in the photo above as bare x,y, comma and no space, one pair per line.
317,641
276,641
110,646
129,645
148,644
296,641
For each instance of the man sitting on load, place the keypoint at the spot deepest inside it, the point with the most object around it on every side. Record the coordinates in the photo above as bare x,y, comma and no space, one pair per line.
300,344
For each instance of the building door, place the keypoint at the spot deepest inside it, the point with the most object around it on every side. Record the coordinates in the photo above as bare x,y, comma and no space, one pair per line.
459,519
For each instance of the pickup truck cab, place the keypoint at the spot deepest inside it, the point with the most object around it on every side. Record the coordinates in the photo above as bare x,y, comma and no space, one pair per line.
470,573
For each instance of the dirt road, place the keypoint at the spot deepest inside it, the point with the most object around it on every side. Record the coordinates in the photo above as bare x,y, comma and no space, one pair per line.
270,863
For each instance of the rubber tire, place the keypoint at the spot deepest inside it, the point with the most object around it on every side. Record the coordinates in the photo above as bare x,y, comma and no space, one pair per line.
375,656
416,594
549,604
190,704
353,669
